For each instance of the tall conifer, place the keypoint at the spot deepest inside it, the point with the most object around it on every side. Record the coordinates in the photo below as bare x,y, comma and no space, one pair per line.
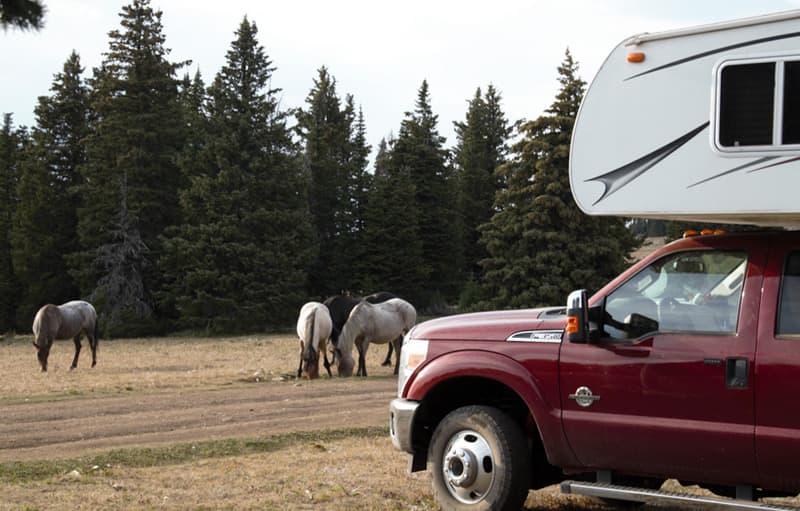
131,178
540,245
481,149
45,223
238,262
12,144
419,152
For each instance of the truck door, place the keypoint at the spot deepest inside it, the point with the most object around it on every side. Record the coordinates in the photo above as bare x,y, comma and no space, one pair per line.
778,369
667,388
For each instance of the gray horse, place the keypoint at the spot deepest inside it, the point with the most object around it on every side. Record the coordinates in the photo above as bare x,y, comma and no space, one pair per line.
62,322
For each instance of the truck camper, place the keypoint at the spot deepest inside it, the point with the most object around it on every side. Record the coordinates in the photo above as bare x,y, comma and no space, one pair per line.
684,367
695,124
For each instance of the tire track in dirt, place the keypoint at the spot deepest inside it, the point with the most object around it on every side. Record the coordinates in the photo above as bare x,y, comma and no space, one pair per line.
73,427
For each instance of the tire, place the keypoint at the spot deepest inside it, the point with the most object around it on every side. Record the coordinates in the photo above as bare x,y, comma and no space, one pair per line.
481,461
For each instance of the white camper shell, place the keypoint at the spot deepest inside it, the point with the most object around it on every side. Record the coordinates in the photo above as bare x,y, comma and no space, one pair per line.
695,124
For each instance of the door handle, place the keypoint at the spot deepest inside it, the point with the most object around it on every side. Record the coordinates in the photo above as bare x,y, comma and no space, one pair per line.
737,372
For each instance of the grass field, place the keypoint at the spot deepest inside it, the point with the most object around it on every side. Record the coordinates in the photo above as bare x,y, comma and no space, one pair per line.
329,466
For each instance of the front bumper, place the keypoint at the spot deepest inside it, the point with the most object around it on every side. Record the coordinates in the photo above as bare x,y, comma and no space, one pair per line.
401,423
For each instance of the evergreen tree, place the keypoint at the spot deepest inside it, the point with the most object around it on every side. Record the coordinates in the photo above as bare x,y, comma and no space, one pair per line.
540,245
12,144
133,150
239,259
325,129
359,185
419,151
393,256
45,221
481,149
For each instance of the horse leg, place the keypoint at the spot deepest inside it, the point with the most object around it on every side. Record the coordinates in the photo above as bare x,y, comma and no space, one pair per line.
77,340
388,360
300,367
325,362
398,343
362,358
93,346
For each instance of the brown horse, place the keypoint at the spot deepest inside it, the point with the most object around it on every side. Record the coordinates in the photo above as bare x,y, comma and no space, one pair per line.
62,322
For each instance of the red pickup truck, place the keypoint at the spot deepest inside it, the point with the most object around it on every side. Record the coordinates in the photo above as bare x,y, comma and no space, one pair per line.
685,366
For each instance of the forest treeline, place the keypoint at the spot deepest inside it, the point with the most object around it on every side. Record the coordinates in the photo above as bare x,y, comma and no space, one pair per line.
171,203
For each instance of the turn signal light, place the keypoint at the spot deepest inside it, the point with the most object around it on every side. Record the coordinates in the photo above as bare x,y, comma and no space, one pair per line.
572,324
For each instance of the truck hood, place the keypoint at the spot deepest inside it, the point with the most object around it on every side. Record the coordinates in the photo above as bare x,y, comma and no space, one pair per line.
491,326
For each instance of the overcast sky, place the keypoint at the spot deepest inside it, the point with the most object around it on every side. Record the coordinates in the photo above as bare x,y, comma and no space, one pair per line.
378,51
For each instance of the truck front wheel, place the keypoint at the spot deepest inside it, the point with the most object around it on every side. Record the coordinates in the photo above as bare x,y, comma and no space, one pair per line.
480,461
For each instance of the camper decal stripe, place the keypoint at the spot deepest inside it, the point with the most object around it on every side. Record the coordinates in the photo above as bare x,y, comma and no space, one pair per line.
712,52
736,169
620,177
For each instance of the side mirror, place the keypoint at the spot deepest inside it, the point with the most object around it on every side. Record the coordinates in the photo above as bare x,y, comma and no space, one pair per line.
578,317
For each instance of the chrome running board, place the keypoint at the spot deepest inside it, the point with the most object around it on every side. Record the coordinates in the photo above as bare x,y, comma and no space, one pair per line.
611,491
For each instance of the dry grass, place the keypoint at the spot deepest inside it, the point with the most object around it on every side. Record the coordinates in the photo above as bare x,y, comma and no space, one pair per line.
349,470
154,363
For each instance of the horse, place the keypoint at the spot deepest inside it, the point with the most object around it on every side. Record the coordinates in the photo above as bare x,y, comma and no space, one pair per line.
340,307
313,329
378,323
62,322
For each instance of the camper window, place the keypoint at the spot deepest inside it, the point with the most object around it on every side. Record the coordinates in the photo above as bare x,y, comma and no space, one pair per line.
758,104
746,105
791,103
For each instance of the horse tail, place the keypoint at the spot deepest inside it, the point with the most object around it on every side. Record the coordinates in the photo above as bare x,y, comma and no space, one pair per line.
310,321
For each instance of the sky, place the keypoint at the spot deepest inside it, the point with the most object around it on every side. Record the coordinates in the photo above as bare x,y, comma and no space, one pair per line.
378,51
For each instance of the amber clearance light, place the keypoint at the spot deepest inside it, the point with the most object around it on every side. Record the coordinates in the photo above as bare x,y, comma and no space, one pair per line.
636,57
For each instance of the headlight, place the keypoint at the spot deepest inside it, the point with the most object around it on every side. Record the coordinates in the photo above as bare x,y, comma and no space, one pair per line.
412,355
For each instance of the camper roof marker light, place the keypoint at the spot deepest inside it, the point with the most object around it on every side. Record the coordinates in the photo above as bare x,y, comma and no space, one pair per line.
705,232
636,57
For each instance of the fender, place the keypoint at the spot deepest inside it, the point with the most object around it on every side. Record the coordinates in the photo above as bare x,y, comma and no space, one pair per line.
507,371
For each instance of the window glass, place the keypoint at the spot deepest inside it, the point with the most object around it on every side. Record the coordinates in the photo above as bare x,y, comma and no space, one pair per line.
789,309
791,103
697,291
746,105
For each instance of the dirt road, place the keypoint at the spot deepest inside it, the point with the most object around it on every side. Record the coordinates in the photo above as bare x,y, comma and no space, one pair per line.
68,428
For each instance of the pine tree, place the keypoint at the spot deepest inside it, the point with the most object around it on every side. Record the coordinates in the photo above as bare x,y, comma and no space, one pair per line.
325,129
481,149
12,145
133,150
359,184
238,262
540,245
393,256
419,151
45,221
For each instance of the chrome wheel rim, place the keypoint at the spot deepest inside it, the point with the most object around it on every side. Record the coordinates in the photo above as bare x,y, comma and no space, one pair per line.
468,467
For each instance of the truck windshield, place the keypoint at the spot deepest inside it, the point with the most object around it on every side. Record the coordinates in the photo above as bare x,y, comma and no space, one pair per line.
694,291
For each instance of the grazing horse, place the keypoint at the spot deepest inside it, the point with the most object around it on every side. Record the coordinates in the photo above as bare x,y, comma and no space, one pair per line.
340,307
62,322
313,329
378,323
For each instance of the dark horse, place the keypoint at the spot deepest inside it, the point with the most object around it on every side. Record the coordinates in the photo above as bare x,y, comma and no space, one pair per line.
62,322
340,307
